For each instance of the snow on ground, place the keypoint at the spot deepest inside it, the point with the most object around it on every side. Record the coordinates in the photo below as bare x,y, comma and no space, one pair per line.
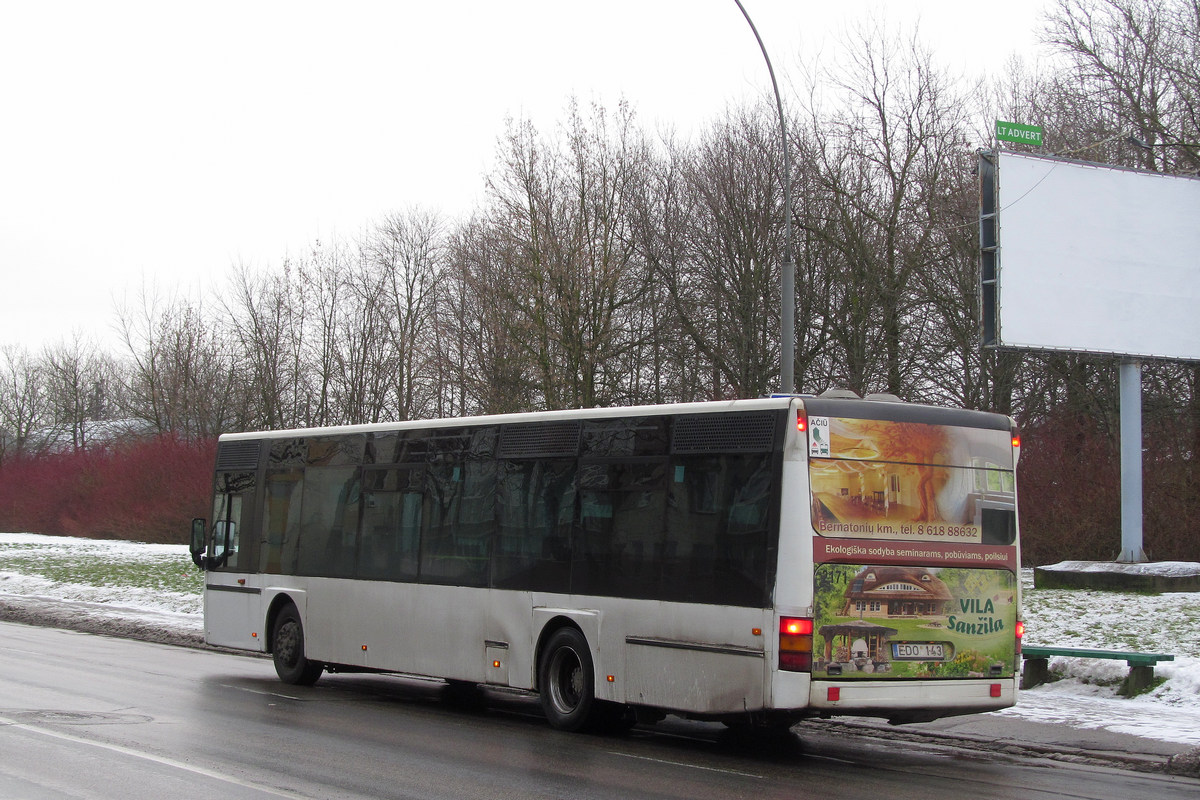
1086,695
157,585
149,584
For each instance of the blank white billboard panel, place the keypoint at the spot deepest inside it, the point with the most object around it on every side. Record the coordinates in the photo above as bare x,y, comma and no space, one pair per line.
1096,259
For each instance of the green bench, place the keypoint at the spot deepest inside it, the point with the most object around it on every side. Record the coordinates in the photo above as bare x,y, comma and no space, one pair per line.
1141,665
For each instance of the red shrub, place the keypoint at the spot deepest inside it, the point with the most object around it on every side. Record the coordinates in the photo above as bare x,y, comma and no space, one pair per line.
1070,497
144,491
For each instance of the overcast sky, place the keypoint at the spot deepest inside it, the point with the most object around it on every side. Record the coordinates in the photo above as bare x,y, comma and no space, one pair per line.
159,143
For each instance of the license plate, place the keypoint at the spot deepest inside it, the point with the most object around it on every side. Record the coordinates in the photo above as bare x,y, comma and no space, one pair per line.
921,651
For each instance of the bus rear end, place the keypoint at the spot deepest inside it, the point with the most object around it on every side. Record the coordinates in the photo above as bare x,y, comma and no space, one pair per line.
915,590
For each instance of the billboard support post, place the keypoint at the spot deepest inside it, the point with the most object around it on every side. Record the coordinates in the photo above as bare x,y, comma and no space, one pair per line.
1131,462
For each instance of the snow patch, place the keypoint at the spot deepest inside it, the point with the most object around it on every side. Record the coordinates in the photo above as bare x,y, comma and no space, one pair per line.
1159,569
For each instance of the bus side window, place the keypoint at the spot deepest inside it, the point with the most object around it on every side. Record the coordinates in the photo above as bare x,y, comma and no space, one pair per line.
391,524
329,522
457,529
621,532
717,528
281,520
536,510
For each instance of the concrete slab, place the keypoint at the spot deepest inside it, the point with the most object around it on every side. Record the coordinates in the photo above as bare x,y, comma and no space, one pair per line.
1150,576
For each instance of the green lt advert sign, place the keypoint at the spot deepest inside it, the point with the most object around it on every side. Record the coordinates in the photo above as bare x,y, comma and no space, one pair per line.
1015,132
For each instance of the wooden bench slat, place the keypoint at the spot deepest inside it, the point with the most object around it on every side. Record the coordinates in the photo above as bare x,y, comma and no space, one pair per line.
1131,658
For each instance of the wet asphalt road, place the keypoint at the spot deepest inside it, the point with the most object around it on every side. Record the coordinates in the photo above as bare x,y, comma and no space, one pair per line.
85,716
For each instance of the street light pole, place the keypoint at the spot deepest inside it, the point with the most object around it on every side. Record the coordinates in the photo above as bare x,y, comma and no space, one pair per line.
787,312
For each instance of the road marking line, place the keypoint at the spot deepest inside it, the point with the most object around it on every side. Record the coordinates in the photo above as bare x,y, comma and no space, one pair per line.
258,691
164,761
831,758
691,766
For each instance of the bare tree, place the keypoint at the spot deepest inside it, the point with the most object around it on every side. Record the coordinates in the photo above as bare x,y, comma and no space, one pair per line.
483,365
725,290
23,404
1134,63
403,263
319,307
883,165
573,281
267,314
182,378
77,384
667,365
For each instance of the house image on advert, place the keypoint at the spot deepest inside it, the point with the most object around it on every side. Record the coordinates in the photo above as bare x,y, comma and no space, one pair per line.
896,592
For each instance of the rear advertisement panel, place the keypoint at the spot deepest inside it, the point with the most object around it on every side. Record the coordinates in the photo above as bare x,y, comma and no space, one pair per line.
879,621
910,481
915,557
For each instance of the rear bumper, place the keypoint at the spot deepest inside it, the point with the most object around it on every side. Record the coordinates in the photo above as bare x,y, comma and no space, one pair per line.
912,701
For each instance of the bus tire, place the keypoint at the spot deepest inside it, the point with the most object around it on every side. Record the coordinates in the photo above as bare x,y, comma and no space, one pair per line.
287,650
566,681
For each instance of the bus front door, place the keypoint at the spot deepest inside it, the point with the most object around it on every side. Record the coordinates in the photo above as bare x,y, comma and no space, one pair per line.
231,599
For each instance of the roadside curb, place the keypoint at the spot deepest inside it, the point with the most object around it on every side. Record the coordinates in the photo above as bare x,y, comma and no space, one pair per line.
1139,762
50,614
1185,763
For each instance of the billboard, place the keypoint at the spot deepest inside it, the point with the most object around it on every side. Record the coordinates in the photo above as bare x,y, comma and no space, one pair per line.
1089,258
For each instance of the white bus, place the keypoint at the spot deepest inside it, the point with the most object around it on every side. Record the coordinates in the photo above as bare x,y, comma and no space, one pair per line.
754,561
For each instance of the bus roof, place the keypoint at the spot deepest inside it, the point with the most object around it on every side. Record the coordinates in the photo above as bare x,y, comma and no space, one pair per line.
840,406
529,416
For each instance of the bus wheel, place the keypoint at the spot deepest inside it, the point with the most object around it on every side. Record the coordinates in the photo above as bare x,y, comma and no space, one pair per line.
566,680
287,649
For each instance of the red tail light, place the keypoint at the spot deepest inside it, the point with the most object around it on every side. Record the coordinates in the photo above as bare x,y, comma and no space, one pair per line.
801,420
795,644
1020,634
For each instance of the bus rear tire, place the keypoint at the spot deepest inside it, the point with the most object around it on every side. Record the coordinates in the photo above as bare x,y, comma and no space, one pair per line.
566,681
287,650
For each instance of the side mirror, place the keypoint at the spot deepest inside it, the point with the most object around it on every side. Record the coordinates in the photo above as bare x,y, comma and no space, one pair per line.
198,544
